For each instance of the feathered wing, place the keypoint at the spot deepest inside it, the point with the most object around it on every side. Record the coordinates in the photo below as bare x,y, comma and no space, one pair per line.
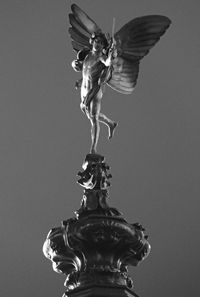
82,28
133,42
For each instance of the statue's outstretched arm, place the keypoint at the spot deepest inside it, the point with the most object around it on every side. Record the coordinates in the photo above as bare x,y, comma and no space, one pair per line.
78,63
107,59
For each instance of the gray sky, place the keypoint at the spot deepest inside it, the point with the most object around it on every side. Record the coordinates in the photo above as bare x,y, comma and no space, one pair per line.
44,137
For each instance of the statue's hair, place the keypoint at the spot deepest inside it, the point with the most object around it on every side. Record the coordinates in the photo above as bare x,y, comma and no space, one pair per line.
102,36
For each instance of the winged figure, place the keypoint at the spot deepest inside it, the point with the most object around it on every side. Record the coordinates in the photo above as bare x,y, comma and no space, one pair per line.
109,60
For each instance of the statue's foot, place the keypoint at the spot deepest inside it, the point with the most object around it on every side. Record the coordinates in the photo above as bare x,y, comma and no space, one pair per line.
112,130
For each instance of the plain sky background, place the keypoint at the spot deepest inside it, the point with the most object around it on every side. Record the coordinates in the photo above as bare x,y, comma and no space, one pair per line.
44,138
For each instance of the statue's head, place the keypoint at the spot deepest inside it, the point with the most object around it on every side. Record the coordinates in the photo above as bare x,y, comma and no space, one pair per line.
99,41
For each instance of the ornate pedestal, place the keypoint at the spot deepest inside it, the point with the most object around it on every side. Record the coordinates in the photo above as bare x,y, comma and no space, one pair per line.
94,248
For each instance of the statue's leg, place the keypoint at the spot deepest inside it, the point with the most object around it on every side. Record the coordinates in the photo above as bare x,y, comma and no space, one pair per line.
95,130
111,124
95,107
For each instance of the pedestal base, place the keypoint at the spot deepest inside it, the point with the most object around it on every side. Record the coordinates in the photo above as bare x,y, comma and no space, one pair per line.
101,291
94,248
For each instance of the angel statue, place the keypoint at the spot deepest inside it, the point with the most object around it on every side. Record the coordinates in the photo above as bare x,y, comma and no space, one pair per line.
112,60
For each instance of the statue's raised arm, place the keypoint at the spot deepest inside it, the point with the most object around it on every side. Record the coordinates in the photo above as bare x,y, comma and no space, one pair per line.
112,61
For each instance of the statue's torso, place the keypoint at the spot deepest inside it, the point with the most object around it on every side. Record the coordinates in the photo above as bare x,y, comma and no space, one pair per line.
92,68
91,72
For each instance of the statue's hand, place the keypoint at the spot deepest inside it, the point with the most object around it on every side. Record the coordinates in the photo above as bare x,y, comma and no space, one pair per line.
112,43
112,50
114,53
77,65
86,104
83,108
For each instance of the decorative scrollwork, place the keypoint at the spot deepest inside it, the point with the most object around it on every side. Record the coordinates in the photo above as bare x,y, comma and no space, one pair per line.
96,180
95,247
64,259
95,174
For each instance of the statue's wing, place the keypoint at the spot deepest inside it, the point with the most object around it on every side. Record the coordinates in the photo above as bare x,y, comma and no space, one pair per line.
82,28
123,75
133,42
